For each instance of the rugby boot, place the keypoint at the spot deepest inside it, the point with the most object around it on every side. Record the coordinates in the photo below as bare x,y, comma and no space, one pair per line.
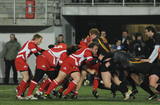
47,96
152,97
95,93
31,97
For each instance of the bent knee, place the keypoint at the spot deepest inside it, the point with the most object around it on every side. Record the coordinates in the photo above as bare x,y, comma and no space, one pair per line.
152,84
77,79
107,85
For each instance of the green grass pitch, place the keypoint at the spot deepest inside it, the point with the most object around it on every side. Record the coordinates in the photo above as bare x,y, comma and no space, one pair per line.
85,97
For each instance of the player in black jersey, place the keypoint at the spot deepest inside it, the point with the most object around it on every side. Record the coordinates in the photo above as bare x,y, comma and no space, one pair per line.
145,68
107,65
151,32
119,56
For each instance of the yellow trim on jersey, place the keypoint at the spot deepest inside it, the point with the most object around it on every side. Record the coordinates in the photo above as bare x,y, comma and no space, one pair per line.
136,61
102,45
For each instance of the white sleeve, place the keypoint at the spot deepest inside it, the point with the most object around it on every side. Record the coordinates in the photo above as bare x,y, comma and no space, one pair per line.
154,54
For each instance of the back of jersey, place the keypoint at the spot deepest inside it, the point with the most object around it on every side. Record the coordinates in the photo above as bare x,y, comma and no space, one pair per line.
79,56
55,55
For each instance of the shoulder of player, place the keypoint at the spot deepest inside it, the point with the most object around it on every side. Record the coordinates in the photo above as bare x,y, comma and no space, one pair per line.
58,49
157,35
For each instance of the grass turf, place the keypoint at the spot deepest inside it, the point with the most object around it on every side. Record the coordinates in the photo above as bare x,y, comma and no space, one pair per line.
85,97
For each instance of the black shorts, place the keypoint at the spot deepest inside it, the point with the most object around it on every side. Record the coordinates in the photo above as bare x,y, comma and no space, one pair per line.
155,70
130,72
103,68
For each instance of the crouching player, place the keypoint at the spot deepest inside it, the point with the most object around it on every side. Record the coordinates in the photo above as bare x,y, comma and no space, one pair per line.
46,64
71,65
145,68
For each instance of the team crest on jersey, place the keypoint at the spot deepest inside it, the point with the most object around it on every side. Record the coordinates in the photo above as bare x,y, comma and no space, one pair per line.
64,68
25,67
104,40
43,66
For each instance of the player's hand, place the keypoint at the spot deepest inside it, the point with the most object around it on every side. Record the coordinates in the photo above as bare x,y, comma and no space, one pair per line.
2,59
145,60
107,64
107,59
100,57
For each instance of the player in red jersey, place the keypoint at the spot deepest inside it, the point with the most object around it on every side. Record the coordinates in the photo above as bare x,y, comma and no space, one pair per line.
71,65
20,62
45,83
46,63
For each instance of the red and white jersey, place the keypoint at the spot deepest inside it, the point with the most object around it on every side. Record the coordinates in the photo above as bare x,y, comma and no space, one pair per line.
79,56
55,55
61,45
86,41
27,49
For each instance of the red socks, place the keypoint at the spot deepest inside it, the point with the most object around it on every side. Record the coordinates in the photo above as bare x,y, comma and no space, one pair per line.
75,93
22,85
53,84
44,84
26,86
95,83
18,87
32,87
58,84
71,86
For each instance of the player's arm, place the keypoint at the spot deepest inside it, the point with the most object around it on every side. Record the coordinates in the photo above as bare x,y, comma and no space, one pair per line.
34,49
63,56
39,49
154,54
91,60
50,46
94,61
84,67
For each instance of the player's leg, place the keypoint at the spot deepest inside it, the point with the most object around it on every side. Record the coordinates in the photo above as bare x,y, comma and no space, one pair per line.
28,82
52,74
153,79
122,87
23,83
137,79
83,75
131,81
38,75
55,82
65,85
76,78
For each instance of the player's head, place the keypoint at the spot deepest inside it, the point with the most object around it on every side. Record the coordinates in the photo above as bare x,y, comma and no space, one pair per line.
71,49
94,33
12,37
93,46
37,39
149,31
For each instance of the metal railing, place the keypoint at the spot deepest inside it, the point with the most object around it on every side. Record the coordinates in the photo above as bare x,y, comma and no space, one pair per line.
65,2
13,4
112,2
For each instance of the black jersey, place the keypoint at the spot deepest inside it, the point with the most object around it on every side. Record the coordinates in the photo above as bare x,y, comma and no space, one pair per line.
103,45
119,56
156,36
137,66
